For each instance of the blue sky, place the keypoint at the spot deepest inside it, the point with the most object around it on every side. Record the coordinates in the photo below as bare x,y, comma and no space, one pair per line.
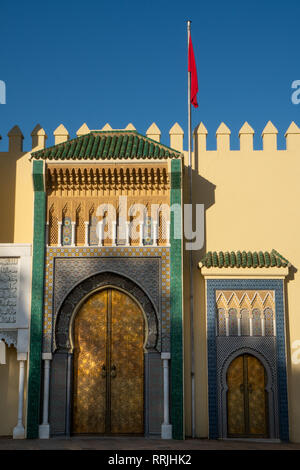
126,61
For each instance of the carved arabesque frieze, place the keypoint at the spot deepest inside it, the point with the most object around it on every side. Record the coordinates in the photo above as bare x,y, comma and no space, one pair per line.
77,193
107,180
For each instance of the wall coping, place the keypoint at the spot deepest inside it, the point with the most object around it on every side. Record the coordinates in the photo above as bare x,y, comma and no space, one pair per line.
244,273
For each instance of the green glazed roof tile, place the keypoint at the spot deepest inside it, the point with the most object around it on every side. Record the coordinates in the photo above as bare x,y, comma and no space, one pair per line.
129,146
100,148
83,147
123,146
140,148
107,145
117,149
90,146
146,149
250,259
95,147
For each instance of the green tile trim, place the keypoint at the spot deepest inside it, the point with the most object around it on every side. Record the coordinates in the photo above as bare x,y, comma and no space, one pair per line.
38,176
243,259
34,379
177,413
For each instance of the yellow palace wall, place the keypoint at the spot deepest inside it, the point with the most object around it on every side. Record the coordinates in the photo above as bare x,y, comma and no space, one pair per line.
9,384
16,192
251,200
16,196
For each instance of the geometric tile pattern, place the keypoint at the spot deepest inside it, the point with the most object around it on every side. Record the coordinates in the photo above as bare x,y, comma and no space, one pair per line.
245,299
66,231
66,267
246,284
239,308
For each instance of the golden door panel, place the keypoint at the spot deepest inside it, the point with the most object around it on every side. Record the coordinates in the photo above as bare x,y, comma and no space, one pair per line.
89,393
246,398
127,365
257,397
109,365
235,398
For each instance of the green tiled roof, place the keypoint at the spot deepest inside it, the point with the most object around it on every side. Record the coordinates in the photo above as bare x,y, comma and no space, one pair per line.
107,145
243,259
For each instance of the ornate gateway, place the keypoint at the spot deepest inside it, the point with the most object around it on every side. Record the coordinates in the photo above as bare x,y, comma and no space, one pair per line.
110,296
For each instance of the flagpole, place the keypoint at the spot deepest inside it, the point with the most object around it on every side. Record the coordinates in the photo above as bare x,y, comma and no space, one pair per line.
191,253
189,105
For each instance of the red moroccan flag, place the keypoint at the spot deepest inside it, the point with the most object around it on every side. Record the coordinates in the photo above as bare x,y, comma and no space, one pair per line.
193,70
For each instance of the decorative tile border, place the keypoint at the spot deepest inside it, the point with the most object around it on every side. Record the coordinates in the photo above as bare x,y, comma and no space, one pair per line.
34,379
177,411
212,286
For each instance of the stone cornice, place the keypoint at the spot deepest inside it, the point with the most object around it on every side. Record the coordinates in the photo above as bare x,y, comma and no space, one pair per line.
244,273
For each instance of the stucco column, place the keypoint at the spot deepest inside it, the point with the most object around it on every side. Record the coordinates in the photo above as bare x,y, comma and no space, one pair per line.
19,430
166,427
155,233
251,324
86,233
114,233
73,233
44,428
227,323
263,325
59,224
127,236
47,234
239,323
100,233
141,233
168,224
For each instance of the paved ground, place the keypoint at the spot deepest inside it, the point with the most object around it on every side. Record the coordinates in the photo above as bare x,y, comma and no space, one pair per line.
126,443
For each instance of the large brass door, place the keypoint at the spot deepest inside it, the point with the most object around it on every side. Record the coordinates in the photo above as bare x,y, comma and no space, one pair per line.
246,398
108,374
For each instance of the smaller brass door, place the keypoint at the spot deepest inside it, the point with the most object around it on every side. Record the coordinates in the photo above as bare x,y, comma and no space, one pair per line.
247,414
108,373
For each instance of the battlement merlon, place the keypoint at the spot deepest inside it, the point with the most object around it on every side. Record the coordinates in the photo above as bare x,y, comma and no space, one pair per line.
176,136
246,133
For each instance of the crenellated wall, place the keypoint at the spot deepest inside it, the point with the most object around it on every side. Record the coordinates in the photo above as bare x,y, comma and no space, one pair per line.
251,200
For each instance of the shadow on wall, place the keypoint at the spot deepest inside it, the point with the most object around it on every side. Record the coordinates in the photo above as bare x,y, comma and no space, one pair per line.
9,384
290,351
203,193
